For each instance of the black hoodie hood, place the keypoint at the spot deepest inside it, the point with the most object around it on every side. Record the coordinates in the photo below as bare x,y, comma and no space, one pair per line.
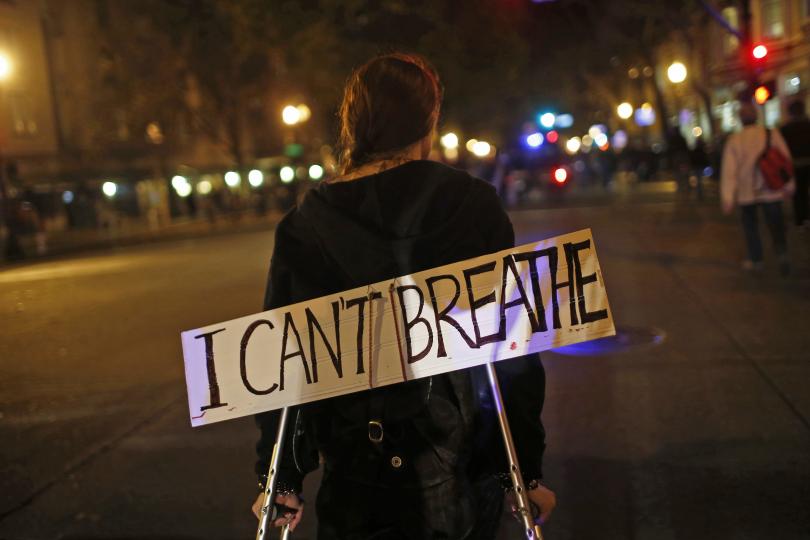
409,218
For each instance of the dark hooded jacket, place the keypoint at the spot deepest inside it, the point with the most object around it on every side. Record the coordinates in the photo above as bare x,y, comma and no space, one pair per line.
344,235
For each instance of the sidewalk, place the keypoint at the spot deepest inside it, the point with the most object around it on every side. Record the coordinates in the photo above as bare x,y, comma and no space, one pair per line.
134,233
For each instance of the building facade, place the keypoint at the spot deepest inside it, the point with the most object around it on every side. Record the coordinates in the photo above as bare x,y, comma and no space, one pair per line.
783,27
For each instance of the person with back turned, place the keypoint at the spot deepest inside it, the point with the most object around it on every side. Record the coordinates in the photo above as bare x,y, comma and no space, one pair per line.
797,136
742,184
420,459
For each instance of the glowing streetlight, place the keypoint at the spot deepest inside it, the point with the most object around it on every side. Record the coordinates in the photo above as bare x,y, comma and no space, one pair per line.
184,190
204,187
287,174
547,120
676,72
291,115
624,110
178,181
303,113
109,188
535,140
232,178
255,178
6,66
471,144
315,172
481,149
572,145
449,140
645,115
564,121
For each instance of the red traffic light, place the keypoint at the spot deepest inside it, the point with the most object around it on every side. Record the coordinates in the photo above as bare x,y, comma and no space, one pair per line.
560,175
759,52
762,94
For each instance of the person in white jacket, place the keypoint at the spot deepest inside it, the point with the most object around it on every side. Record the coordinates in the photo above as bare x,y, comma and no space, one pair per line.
742,184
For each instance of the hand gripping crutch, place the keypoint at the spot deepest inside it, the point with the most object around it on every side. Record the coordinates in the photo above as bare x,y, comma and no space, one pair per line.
266,512
524,508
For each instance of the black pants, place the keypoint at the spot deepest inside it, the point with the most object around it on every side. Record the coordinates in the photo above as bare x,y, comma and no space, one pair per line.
774,218
800,197
452,510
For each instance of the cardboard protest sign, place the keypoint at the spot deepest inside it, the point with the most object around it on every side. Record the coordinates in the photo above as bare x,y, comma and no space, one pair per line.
518,301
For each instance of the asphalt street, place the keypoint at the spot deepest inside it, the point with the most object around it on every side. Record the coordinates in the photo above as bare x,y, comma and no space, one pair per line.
695,426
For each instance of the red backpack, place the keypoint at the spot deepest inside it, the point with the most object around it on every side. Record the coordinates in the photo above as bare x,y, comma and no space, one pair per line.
776,167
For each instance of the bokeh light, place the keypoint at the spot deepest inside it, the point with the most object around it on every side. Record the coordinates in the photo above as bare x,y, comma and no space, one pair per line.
6,66
232,178
449,140
204,187
624,110
534,140
676,72
290,115
315,172
109,188
255,178
481,148
287,174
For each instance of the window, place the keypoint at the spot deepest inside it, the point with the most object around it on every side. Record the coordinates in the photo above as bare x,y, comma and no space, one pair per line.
791,84
773,25
23,122
728,116
772,112
730,41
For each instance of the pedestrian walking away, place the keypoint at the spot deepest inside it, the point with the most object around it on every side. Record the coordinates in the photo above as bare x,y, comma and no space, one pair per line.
797,136
421,459
742,184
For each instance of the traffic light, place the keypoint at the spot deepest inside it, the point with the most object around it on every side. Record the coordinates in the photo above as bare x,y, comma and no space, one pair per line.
761,94
759,52
765,91
560,175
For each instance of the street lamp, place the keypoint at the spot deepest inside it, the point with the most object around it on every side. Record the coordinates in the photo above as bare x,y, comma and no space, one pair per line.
303,113
232,179
109,188
255,178
573,145
624,110
315,172
676,72
481,149
290,115
287,174
449,140
6,66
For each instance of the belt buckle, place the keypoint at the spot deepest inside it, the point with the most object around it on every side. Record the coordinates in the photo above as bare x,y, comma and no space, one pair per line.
375,431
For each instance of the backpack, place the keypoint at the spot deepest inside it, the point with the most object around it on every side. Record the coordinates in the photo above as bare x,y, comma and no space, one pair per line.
776,167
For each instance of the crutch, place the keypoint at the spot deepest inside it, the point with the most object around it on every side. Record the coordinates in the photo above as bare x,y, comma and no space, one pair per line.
524,508
266,513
